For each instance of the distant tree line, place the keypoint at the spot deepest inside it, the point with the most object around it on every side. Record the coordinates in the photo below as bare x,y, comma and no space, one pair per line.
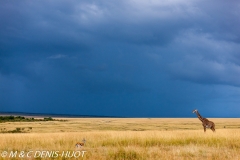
23,119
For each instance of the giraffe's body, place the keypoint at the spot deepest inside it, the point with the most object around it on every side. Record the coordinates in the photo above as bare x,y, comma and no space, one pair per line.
205,122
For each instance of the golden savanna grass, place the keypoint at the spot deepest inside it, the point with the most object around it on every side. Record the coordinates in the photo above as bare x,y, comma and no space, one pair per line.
115,138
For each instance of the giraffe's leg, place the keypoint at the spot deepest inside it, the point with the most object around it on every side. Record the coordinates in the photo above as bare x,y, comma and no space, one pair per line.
204,128
213,129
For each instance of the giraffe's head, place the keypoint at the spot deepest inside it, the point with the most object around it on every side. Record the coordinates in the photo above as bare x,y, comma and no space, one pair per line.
195,110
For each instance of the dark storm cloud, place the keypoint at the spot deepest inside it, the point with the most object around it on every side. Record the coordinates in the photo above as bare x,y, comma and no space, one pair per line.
206,60
118,55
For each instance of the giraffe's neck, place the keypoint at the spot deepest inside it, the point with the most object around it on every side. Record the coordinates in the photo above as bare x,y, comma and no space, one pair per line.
199,116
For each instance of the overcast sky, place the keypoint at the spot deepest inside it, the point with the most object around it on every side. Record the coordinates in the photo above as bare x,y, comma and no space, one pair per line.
130,58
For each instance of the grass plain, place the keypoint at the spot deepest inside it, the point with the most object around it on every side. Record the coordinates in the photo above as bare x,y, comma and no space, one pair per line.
125,138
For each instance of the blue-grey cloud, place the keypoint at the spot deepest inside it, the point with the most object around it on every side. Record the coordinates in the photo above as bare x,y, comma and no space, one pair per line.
129,58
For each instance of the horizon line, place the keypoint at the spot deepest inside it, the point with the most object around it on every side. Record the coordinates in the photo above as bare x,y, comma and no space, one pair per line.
87,116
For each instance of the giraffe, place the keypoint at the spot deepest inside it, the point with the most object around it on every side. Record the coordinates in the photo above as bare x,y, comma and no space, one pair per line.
205,122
